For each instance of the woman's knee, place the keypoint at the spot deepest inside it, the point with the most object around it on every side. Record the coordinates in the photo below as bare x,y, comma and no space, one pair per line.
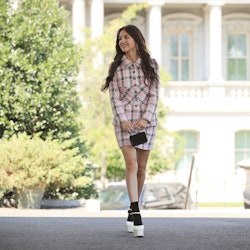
141,170
131,167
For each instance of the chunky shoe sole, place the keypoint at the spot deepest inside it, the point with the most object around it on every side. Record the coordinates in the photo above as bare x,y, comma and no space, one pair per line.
130,226
139,231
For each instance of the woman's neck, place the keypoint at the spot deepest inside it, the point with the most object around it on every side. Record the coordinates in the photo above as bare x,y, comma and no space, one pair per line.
132,57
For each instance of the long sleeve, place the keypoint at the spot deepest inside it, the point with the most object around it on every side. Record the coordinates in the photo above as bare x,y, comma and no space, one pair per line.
116,104
153,95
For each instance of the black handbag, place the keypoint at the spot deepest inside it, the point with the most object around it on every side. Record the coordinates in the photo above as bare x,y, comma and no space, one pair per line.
138,139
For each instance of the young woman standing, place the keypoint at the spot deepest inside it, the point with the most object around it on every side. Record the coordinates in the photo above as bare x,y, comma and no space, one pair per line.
133,83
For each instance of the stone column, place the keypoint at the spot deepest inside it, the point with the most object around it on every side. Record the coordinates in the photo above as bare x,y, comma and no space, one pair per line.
155,29
78,20
97,17
206,48
215,29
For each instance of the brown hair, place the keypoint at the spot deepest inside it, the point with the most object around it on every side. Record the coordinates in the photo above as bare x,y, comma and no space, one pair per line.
147,68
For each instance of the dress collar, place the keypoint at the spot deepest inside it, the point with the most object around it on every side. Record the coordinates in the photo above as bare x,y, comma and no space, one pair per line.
128,63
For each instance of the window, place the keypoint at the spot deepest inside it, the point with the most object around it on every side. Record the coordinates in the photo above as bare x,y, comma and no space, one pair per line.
190,147
181,46
237,57
242,146
180,56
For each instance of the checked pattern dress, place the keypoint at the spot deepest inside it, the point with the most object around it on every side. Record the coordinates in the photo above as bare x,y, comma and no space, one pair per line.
133,97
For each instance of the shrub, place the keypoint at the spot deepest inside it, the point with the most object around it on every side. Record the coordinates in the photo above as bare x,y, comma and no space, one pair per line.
28,162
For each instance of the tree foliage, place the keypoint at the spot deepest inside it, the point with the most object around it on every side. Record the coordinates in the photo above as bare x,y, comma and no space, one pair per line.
39,65
38,69
28,162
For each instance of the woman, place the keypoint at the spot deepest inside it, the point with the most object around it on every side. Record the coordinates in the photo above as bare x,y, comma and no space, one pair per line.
133,83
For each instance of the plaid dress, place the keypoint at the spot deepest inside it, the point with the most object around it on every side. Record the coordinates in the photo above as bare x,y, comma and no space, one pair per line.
133,97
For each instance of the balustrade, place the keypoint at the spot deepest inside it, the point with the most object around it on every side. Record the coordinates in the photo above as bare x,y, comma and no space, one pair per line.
238,89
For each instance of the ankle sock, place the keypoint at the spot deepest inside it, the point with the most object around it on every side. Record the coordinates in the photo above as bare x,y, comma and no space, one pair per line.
130,216
136,214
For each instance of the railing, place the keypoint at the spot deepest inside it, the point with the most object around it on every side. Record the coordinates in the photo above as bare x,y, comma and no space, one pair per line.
186,89
239,89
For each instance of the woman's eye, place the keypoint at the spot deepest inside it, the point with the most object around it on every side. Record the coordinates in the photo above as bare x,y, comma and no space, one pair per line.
125,37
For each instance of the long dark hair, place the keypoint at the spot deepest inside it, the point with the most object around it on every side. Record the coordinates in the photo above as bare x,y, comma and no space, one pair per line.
147,67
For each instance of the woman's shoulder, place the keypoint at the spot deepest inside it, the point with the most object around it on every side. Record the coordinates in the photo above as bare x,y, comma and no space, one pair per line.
154,63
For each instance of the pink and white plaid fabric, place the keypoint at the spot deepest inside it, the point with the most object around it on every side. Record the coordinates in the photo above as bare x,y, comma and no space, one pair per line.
122,137
132,97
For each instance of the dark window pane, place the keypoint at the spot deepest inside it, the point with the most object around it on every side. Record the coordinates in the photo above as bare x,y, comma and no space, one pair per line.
174,45
185,70
174,69
185,45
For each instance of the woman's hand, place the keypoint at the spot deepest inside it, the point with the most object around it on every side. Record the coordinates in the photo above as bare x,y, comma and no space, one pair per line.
140,124
128,127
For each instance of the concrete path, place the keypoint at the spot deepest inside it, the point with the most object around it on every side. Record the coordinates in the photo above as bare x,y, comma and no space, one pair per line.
73,229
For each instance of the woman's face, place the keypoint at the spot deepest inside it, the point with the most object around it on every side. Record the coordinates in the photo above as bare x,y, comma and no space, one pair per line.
126,42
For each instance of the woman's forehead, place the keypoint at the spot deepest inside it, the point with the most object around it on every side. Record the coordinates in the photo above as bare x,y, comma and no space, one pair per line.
123,32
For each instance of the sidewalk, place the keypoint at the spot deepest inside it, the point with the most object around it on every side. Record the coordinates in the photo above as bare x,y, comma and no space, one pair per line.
81,212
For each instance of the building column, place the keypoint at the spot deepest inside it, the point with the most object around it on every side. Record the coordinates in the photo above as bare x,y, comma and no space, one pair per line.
215,28
155,29
78,20
97,17
206,48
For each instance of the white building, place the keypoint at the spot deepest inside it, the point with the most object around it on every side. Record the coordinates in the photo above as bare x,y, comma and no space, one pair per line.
205,46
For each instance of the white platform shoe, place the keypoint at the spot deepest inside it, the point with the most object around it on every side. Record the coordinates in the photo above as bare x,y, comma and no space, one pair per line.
139,231
130,226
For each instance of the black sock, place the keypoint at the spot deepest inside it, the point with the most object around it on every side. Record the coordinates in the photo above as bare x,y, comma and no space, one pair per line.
136,213
130,216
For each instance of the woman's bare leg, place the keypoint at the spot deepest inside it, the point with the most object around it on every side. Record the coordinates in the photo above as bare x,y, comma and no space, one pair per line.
129,154
135,161
142,159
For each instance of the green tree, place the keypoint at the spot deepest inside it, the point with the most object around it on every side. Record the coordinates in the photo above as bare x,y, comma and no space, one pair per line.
97,112
38,69
39,66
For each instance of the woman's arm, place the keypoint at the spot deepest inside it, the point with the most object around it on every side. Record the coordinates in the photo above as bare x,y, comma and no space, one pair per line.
116,104
153,96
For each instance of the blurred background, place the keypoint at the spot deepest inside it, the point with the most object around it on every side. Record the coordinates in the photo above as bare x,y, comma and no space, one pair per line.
54,59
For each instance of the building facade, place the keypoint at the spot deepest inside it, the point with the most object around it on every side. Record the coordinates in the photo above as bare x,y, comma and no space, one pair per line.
205,47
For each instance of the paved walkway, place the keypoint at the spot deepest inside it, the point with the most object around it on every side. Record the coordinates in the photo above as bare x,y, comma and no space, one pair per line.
82,212
73,229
